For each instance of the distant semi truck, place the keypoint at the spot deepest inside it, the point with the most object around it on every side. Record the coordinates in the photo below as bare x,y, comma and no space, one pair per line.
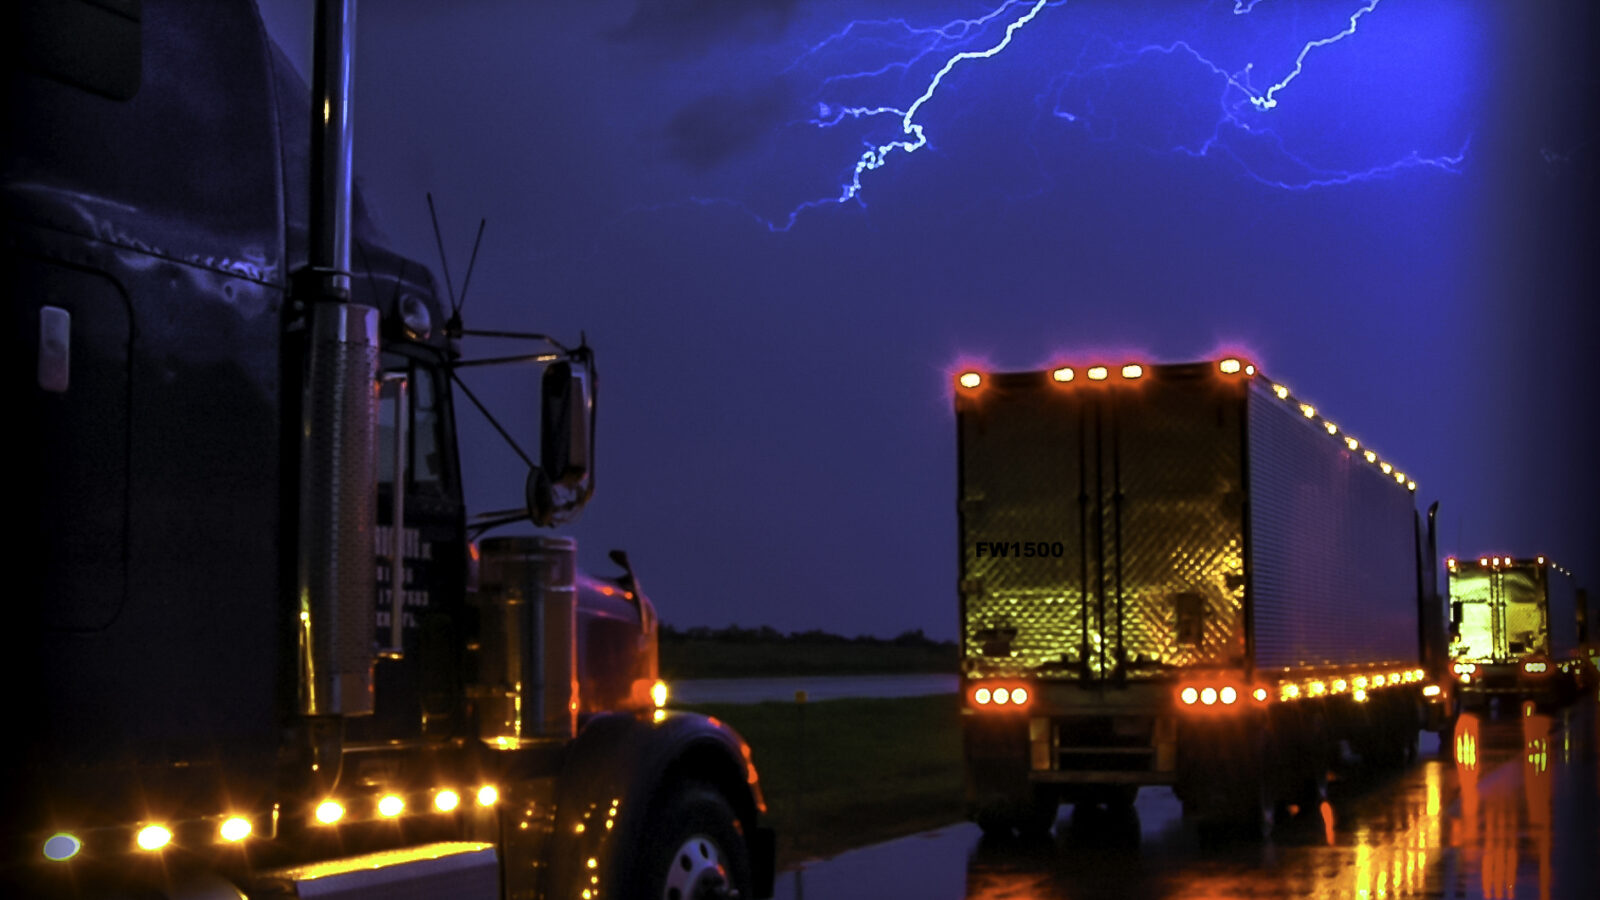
1182,575
1515,628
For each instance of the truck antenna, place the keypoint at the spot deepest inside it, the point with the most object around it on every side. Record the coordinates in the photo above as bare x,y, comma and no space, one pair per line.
444,261
472,263
454,324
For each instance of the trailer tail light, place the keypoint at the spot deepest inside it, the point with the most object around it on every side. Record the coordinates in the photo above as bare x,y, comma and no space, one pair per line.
658,694
969,380
62,847
1220,696
1097,373
1001,697
1230,366
153,837
1132,371
1535,667
1432,690
234,830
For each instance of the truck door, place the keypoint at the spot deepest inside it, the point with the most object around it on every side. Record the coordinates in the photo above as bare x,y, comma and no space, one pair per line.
416,690
76,328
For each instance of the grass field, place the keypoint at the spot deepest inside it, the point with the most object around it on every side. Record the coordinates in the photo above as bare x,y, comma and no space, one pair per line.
843,773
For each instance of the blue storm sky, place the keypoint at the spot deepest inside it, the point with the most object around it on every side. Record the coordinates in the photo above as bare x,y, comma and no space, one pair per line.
1406,239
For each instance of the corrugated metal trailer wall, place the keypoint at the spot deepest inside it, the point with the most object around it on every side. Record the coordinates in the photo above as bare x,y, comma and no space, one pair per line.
1332,575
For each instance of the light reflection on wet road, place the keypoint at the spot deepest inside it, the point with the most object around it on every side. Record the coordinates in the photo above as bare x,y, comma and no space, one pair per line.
1516,815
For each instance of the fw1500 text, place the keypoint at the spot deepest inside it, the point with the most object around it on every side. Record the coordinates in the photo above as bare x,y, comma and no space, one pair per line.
1019,549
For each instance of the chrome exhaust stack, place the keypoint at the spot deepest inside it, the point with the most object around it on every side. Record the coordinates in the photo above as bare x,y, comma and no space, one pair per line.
336,580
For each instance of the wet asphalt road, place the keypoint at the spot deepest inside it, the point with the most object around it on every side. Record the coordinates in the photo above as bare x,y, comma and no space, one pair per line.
1515,815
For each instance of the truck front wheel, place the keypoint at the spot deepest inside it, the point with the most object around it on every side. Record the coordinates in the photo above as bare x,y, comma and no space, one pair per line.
693,849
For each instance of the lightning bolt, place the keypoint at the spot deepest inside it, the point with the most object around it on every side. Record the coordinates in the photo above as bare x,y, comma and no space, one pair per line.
1240,132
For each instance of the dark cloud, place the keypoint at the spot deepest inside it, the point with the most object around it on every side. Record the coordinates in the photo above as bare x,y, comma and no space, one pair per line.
687,25
716,127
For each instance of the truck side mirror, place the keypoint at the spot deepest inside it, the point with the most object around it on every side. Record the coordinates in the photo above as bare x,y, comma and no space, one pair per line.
565,425
564,478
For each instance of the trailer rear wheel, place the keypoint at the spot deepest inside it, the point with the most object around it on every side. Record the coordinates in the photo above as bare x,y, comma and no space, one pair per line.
693,849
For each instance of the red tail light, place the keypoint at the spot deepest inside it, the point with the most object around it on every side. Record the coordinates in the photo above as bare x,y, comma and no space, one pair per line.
1003,696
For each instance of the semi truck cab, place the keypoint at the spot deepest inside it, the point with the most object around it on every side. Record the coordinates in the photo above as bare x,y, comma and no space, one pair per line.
260,646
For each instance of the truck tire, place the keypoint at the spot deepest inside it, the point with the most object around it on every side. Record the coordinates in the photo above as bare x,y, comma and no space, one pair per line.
693,849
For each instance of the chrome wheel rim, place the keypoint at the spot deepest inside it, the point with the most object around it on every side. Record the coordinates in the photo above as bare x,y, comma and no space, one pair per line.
697,872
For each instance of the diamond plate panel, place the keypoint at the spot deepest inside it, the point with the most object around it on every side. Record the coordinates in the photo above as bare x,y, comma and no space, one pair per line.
1527,627
1172,447
1021,455
1480,625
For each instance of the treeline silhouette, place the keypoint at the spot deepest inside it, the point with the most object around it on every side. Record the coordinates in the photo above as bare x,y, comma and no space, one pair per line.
738,652
734,634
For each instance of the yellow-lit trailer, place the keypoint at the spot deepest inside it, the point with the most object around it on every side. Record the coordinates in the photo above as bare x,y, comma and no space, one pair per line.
1182,575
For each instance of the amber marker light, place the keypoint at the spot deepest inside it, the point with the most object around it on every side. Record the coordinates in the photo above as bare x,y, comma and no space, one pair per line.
153,837
446,800
1332,428
234,830
1371,456
1063,374
1229,366
329,812
62,847
969,380
1352,443
658,694
1308,410
488,795
1432,690
1281,391
1132,370
1097,373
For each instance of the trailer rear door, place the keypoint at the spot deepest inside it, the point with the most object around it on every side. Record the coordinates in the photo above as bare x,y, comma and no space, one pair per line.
1100,523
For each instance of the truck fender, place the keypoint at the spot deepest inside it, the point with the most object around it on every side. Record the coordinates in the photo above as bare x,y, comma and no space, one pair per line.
616,768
